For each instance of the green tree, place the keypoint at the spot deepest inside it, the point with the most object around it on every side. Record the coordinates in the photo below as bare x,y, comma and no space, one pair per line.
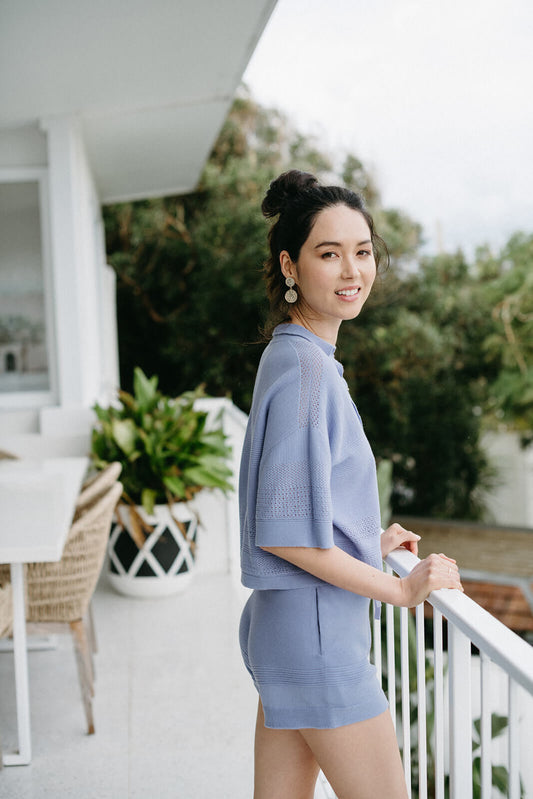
506,285
407,360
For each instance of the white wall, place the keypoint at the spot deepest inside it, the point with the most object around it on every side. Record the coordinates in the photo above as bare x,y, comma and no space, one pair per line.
23,147
511,500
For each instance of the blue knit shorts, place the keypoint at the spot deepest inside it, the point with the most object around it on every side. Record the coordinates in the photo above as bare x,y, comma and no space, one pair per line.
307,650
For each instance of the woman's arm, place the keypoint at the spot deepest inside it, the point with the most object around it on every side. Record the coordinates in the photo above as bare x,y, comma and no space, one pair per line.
338,568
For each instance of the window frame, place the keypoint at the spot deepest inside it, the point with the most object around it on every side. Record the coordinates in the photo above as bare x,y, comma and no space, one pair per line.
20,400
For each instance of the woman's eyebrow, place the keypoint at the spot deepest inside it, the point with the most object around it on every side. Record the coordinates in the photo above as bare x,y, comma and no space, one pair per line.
339,244
328,244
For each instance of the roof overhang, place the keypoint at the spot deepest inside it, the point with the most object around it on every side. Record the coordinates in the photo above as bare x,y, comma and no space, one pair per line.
151,82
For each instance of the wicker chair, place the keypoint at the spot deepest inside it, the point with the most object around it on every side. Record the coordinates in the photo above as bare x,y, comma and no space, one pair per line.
6,606
91,491
6,600
59,593
97,485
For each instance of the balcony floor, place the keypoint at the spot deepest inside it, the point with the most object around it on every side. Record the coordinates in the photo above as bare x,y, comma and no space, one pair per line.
174,707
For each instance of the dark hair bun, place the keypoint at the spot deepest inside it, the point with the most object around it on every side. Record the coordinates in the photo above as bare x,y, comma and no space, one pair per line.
285,189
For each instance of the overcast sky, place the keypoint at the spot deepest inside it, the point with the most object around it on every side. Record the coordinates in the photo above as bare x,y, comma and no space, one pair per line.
435,95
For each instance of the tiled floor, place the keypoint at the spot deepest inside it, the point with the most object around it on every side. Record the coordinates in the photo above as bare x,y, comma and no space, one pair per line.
174,707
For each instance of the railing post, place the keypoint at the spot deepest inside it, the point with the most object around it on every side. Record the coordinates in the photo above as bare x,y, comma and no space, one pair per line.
460,714
514,741
391,658
486,727
438,671
421,701
406,697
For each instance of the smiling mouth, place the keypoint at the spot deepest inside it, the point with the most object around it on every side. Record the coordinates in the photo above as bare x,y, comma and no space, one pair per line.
348,292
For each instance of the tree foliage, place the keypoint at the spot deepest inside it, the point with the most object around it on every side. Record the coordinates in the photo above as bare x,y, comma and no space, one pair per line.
410,360
438,349
506,283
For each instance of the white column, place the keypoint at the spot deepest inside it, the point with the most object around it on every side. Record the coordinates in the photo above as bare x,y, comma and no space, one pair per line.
78,260
61,136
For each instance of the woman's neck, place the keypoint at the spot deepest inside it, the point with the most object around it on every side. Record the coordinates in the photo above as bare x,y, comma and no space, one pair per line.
327,332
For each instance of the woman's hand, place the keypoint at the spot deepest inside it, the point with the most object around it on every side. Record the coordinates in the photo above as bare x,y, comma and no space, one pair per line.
430,574
395,536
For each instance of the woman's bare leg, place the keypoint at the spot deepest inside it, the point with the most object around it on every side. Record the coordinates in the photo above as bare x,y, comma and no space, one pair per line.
285,767
360,761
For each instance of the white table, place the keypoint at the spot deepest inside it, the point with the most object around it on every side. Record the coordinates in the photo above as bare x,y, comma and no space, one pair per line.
37,500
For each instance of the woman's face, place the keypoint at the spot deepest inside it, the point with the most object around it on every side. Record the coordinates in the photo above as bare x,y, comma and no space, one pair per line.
334,272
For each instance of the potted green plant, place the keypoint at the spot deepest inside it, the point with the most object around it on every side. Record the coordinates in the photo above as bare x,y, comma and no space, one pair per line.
168,452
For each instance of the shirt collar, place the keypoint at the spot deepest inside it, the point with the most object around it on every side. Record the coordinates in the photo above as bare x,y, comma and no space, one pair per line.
290,329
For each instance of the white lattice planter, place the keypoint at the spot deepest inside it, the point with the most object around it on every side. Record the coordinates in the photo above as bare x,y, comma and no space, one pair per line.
164,564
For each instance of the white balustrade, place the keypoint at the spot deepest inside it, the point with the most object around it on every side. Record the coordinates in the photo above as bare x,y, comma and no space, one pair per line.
452,722
442,750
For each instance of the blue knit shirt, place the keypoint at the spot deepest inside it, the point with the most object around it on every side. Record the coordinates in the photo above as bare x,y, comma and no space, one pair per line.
308,475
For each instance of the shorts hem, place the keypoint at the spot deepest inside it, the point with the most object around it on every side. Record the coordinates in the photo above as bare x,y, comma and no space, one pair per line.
321,718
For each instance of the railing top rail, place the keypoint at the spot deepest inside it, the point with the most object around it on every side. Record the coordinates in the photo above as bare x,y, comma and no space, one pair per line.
501,644
218,403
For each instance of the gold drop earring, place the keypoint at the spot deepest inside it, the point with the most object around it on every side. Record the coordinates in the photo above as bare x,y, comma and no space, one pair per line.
290,295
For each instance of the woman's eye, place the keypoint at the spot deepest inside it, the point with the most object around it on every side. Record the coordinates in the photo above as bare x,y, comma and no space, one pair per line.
364,252
327,256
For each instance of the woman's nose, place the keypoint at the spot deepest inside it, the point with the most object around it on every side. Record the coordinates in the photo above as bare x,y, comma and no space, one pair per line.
350,268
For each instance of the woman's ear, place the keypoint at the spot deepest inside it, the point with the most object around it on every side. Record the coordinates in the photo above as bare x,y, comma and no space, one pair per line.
287,267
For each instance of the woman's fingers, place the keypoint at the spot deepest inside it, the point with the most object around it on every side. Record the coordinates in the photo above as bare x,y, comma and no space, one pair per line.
442,555
396,536
432,573
409,540
410,545
447,572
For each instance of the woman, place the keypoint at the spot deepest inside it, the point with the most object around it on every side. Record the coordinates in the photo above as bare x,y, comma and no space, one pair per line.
310,527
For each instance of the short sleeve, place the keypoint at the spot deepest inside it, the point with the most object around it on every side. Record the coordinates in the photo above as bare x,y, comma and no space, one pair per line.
294,506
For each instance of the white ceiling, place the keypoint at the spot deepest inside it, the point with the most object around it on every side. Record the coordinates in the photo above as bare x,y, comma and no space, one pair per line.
151,81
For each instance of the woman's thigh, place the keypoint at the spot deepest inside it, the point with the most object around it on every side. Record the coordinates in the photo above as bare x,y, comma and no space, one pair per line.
285,767
362,760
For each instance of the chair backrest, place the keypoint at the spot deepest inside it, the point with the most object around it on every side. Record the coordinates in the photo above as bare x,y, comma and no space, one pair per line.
61,592
96,486
6,608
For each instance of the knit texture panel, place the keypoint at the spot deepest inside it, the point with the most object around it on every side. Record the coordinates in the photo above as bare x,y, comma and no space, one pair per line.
308,475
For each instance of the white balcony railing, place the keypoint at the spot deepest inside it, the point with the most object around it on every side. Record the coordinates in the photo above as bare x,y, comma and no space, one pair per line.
433,688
